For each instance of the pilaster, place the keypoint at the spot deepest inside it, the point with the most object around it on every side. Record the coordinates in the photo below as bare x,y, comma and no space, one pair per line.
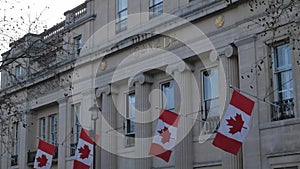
230,63
62,127
142,83
183,105
108,124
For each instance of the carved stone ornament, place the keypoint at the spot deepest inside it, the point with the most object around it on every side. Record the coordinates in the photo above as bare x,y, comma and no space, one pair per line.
140,78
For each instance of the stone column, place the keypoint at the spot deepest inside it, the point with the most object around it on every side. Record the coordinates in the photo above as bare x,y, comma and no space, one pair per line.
143,125
230,63
183,105
62,118
108,125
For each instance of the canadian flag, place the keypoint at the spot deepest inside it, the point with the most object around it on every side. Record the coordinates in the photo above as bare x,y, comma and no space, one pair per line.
84,151
235,124
44,155
165,136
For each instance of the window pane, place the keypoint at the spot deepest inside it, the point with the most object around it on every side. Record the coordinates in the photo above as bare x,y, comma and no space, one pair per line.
18,72
156,7
78,45
130,114
53,129
168,95
210,84
285,84
153,2
122,15
75,122
122,4
43,128
210,92
283,58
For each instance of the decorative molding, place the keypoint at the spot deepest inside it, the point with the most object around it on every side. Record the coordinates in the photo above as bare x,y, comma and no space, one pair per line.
103,90
231,50
141,79
282,154
180,67
62,100
244,40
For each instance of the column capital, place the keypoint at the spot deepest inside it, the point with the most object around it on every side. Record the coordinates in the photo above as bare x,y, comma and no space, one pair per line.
141,79
231,50
103,90
180,67
61,100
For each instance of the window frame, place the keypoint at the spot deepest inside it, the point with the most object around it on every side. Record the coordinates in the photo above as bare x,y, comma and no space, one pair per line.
78,45
152,6
42,129
19,72
53,134
286,107
121,21
128,118
76,126
204,100
15,144
162,98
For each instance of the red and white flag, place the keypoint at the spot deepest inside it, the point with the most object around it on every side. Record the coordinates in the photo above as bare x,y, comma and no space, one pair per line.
84,151
165,136
44,155
235,124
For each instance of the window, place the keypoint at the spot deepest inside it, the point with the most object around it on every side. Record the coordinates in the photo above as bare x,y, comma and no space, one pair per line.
78,45
15,145
283,83
121,21
156,8
130,119
43,129
19,72
210,104
168,95
76,127
129,125
53,129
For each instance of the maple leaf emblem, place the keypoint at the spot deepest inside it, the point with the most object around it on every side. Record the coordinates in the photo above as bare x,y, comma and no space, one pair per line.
237,124
42,160
165,134
84,152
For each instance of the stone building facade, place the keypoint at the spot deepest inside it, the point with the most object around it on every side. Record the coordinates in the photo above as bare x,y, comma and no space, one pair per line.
130,59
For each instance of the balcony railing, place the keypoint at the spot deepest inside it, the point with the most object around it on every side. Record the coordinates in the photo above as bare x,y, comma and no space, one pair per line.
31,157
73,147
284,110
76,13
80,11
55,31
14,160
129,140
211,125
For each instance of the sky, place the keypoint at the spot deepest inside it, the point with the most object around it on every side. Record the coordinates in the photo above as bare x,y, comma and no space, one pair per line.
16,16
52,15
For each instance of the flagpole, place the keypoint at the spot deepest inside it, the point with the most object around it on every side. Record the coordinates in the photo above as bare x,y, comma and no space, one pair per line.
260,99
